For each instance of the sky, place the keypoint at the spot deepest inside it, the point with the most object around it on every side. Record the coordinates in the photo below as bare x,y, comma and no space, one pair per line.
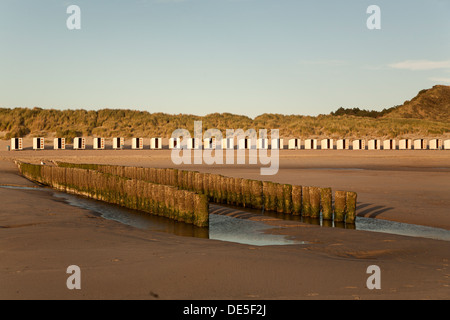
245,57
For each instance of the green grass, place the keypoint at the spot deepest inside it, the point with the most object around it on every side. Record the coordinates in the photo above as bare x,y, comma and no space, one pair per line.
21,122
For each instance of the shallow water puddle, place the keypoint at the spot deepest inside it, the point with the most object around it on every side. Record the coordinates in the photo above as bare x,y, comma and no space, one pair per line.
235,229
220,227
22,187
405,229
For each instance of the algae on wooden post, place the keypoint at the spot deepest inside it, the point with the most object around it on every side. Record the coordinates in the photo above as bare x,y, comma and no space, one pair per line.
201,210
257,194
280,197
350,215
206,184
223,189
238,191
340,199
175,178
199,187
266,194
213,187
306,207
326,203
189,207
287,196
216,189
229,183
270,196
246,193
314,197
296,200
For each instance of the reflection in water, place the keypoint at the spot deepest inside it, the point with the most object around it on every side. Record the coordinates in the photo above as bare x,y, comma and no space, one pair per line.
22,188
229,223
134,218
405,229
361,223
220,227
239,212
244,231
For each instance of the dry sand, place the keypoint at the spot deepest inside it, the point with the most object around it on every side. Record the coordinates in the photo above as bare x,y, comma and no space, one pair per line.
40,236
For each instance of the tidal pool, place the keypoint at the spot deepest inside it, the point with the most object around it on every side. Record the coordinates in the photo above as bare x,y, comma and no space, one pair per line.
234,229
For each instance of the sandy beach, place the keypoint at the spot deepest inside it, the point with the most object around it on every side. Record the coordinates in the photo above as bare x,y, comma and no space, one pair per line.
41,236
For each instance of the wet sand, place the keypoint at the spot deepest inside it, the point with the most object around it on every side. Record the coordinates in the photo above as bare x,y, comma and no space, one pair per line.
41,236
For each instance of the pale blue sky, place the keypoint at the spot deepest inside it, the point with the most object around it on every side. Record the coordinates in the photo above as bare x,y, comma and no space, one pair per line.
203,56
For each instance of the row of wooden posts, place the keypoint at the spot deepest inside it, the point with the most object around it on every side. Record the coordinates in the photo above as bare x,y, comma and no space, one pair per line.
184,195
157,199
262,195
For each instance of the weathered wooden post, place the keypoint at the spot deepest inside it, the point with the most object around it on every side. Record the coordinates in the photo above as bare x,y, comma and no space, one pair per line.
326,203
351,207
306,207
287,195
239,192
269,190
296,200
257,194
340,199
201,210
280,197
189,207
246,193
314,198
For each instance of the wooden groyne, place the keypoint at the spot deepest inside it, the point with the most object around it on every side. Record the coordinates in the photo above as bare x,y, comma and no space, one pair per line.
246,193
158,199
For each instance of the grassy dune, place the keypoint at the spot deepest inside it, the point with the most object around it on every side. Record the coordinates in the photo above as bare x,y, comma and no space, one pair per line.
426,115
128,123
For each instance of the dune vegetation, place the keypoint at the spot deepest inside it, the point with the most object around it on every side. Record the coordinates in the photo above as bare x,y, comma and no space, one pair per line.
427,115
128,123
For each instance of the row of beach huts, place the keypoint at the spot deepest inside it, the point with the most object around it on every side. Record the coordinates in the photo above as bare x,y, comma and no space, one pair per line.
229,143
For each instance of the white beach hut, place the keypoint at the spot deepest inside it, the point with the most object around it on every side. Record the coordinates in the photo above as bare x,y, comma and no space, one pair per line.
209,143
242,144
310,144
447,145
228,143
79,143
405,144
420,144
174,143
389,144
247,144
193,143
294,144
327,144
374,144
277,144
98,143
156,143
118,143
38,144
137,143
198,144
59,143
16,144
359,144
263,143
343,144
435,144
